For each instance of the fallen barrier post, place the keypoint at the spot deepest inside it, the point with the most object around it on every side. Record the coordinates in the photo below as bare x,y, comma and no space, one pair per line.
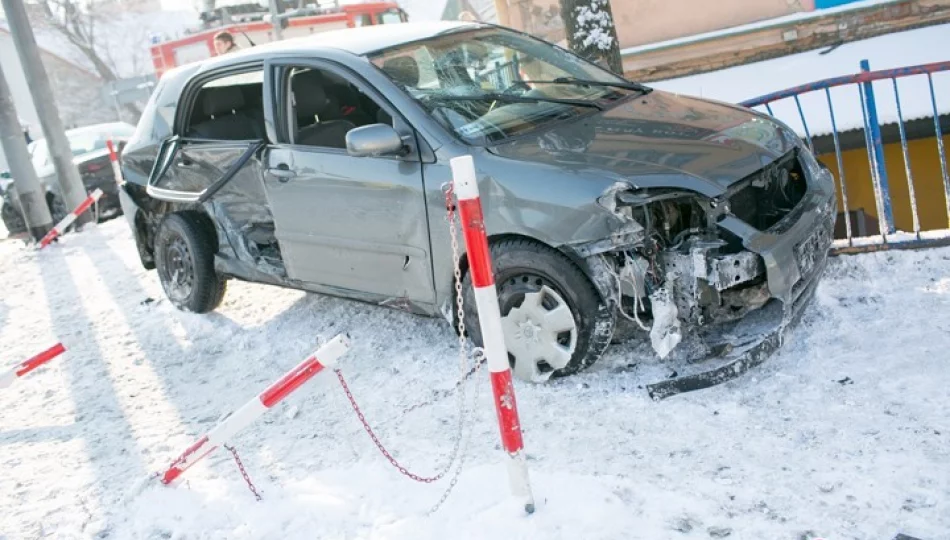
7,378
64,223
465,186
326,356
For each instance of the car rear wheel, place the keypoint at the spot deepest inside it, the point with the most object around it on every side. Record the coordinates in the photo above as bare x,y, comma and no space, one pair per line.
184,258
555,322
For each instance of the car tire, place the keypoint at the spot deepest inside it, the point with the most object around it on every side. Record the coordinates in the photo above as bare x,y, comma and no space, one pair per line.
184,257
12,220
532,281
57,210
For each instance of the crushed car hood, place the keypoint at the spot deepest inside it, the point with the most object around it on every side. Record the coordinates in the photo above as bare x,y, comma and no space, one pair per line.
661,140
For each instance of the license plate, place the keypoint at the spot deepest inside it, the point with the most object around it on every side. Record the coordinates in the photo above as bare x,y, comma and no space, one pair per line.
811,250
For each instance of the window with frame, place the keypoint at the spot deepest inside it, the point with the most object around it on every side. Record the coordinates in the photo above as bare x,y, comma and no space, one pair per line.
229,108
326,106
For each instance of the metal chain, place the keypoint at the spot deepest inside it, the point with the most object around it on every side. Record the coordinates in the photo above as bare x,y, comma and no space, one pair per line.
247,478
453,218
465,370
379,445
479,354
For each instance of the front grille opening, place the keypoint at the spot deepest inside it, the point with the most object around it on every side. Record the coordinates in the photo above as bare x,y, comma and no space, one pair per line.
771,193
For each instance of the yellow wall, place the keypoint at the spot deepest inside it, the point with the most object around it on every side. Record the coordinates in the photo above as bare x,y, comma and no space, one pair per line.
928,183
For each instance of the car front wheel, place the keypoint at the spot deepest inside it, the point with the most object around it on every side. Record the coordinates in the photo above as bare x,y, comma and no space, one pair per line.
184,258
554,321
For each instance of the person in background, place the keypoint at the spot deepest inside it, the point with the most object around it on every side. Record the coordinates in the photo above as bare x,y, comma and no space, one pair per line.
224,43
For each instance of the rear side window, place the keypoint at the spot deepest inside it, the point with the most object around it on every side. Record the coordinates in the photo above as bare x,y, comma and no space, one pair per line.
228,108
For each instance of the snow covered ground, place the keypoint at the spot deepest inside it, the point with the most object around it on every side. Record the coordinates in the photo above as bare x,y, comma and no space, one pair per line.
844,434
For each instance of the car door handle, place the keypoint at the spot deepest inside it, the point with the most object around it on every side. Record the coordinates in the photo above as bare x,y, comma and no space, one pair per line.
185,163
282,173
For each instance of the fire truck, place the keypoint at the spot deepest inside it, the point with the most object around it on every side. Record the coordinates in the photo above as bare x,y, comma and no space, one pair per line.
251,24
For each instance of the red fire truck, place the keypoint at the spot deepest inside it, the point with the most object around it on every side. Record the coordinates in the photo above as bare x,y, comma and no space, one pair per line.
254,29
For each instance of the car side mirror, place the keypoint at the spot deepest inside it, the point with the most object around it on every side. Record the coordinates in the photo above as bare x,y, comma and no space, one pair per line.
374,140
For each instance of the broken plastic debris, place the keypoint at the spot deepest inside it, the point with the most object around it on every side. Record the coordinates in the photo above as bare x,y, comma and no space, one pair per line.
665,334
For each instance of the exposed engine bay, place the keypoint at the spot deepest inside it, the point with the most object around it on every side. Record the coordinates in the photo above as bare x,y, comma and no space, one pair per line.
684,270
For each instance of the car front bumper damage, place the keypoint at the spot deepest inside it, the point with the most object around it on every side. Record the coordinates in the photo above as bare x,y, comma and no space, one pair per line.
787,260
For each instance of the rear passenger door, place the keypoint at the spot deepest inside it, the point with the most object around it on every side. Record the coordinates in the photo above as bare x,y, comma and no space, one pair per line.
215,158
355,224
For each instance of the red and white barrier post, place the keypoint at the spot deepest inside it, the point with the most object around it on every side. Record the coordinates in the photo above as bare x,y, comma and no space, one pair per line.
465,186
7,378
64,224
325,357
114,159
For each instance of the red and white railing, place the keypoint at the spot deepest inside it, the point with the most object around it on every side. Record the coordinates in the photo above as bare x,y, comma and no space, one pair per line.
7,378
64,224
465,186
325,357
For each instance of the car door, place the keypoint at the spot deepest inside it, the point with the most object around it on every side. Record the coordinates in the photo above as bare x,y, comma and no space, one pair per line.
214,160
351,223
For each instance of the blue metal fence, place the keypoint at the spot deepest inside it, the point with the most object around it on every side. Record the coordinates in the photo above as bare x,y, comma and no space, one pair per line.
874,144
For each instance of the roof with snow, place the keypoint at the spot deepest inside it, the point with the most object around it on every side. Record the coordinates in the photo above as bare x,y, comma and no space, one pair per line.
899,49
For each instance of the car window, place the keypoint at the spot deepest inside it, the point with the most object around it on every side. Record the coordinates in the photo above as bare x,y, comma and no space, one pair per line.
389,17
325,106
39,154
489,84
228,108
84,143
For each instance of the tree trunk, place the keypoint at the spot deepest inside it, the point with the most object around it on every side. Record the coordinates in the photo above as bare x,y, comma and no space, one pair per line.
591,32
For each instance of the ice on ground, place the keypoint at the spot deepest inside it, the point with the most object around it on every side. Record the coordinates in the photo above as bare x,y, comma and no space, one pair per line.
843,434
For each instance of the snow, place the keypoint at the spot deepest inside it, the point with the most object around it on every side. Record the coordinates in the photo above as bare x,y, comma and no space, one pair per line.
593,25
842,434
899,49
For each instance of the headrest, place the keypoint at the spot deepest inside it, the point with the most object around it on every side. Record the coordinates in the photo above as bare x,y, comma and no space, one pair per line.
403,69
309,96
222,100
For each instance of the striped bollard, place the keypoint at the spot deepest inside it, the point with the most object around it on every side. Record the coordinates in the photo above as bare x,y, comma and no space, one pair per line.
325,357
7,378
64,223
114,160
465,186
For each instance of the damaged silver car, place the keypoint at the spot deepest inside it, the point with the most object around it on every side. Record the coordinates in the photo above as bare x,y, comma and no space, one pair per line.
319,163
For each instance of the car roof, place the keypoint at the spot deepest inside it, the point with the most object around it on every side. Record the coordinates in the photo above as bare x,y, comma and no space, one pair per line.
99,128
358,41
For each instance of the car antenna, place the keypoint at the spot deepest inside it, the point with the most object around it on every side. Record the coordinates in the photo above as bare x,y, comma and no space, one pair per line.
243,33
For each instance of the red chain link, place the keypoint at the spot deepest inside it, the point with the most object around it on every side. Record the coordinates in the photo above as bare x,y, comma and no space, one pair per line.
237,459
379,445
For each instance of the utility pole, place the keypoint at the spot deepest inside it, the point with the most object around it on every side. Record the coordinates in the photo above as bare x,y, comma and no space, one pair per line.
276,20
501,9
70,183
29,193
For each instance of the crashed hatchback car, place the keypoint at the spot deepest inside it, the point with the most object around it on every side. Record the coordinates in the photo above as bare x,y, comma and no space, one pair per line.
320,163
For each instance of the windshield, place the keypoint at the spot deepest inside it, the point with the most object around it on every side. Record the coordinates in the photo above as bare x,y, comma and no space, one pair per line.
486,85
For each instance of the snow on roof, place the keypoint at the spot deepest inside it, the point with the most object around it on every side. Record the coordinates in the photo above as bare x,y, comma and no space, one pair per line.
899,49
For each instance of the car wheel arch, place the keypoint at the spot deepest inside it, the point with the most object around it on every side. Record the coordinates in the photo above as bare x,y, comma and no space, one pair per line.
573,257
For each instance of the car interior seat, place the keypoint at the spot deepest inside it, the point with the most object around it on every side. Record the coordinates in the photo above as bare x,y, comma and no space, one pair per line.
227,118
317,117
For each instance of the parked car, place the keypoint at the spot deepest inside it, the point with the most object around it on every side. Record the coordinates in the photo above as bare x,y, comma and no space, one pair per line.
319,164
88,145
